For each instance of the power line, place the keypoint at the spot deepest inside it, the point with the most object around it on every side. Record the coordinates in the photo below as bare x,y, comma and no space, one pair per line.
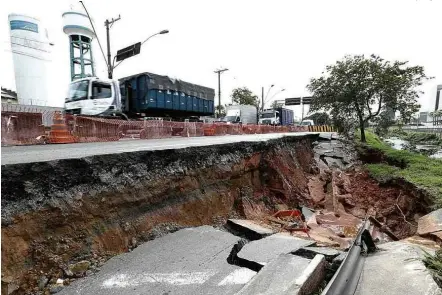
93,28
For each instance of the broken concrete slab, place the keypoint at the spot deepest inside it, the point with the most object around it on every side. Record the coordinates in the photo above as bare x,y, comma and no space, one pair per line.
430,223
311,252
311,278
334,162
396,269
265,250
189,261
250,229
287,274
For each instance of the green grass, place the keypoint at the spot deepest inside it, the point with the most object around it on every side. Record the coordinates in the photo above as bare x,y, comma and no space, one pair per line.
434,265
418,169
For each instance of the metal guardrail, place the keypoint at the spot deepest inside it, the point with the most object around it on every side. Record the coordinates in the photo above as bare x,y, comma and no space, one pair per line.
346,278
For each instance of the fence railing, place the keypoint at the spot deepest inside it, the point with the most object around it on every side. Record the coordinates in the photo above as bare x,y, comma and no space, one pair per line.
31,127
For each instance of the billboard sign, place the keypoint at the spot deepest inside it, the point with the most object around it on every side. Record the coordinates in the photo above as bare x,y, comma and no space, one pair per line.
23,25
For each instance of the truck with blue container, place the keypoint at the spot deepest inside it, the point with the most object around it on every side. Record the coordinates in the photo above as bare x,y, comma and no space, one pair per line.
277,117
141,95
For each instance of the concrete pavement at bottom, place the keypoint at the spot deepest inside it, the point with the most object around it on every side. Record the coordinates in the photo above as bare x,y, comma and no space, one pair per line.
42,153
189,261
396,268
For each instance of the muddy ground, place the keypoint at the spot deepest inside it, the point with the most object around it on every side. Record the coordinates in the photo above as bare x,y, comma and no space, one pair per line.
58,213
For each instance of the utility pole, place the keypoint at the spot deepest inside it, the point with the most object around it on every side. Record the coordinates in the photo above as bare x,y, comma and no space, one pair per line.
262,96
302,106
262,99
108,24
219,71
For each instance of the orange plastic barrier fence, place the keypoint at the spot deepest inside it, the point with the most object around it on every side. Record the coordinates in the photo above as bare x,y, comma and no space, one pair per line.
27,128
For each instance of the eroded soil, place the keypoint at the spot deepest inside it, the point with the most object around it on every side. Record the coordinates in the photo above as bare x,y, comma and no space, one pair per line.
57,213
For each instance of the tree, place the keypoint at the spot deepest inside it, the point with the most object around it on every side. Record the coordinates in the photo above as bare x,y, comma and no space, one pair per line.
220,111
320,118
437,117
243,95
360,87
276,105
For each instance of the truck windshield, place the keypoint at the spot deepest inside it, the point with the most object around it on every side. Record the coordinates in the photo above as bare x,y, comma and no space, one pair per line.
267,115
78,91
230,118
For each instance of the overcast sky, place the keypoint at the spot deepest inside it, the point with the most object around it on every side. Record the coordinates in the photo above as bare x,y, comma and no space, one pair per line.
262,42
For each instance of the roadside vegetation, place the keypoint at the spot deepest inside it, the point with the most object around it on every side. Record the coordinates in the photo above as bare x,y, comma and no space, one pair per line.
418,169
416,137
434,265
358,89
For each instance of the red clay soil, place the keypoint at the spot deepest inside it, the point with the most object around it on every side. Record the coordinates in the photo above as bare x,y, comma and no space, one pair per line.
391,205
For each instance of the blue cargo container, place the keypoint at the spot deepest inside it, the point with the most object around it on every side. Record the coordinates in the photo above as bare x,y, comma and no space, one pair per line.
149,93
285,116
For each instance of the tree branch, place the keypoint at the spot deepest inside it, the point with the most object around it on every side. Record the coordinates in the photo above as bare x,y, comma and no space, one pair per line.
379,107
377,112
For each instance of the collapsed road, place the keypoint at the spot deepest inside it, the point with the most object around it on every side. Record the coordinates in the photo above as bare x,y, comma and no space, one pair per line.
41,153
201,220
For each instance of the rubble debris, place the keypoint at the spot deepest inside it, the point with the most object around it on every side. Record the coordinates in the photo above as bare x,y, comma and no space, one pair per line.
55,289
42,282
334,162
79,268
383,228
430,223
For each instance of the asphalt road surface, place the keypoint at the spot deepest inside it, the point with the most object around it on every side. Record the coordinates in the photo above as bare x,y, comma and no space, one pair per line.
190,261
42,153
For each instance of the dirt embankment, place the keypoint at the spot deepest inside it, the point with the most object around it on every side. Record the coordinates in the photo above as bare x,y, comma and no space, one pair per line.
57,213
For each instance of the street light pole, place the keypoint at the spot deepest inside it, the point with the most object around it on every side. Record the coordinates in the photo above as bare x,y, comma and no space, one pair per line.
270,99
262,99
219,71
262,96
108,24
159,33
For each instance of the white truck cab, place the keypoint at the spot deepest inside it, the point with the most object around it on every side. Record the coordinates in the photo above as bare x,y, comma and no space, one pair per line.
93,96
269,117
307,123
233,116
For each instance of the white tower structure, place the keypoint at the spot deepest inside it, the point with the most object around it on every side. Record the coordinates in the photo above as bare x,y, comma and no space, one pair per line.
31,55
78,27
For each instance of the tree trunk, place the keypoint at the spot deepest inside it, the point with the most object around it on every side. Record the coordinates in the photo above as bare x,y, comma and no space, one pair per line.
362,128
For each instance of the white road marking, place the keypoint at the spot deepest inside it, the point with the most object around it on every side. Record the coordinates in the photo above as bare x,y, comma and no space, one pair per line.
238,276
175,278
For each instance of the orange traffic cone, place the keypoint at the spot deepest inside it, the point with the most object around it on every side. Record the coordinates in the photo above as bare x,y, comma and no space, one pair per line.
59,131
